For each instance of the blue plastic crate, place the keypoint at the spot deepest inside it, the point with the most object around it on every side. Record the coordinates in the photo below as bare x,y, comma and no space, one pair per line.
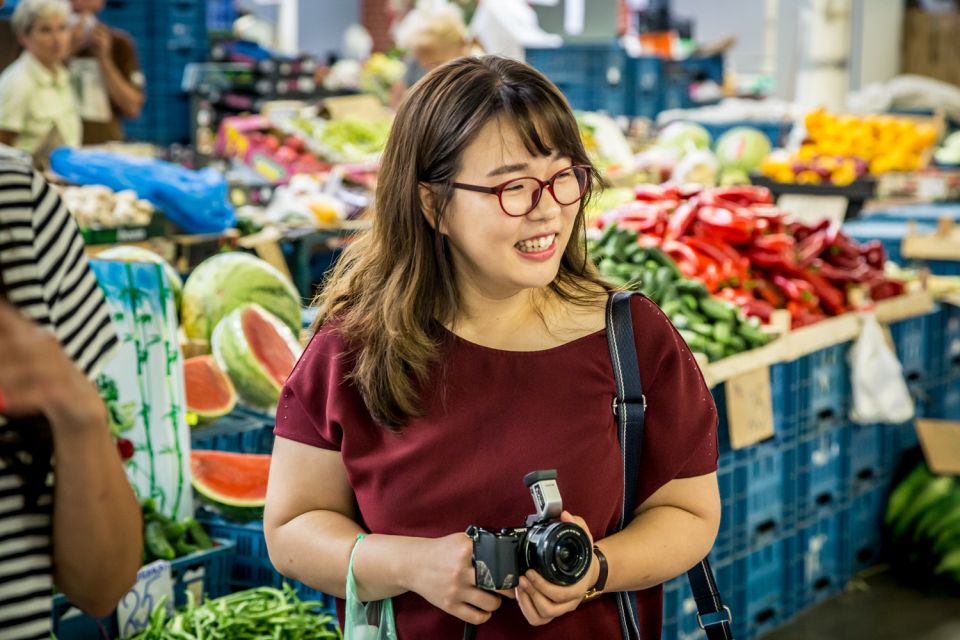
898,439
757,583
221,15
591,76
752,488
863,527
782,390
680,611
910,339
866,460
924,213
945,398
817,568
252,566
244,430
204,573
816,465
943,267
821,388
950,340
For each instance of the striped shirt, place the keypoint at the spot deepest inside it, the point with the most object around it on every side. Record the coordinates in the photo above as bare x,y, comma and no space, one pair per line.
47,277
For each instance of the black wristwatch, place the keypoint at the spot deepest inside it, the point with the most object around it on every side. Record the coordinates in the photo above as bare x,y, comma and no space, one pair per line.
597,589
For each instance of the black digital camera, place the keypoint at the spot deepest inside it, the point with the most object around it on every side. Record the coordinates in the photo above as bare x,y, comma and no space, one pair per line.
559,551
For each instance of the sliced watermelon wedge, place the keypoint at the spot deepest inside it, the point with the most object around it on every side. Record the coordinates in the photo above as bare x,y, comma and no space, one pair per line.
210,394
235,484
257,351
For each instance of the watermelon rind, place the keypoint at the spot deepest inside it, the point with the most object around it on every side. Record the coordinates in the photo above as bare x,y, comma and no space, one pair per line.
252,380
217,499
226,281
138,254
205,416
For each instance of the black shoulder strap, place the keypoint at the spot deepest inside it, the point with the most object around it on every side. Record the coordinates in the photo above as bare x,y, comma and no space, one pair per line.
630,407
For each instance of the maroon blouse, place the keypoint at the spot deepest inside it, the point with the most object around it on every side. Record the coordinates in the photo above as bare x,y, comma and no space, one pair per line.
492,417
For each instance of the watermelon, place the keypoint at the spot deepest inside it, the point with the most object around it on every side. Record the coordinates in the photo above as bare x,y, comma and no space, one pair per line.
234,484
210,394
228,280
257,351
742,148
137,254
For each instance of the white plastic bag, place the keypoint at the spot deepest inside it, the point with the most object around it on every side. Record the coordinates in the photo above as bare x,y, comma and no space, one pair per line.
880,393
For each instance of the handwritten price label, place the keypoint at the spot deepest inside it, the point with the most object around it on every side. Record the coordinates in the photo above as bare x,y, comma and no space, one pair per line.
750,408
154,581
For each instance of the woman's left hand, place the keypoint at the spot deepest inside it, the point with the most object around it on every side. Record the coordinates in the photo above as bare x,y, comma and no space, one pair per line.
541,601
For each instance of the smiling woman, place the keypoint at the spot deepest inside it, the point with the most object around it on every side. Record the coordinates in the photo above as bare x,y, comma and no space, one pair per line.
459,345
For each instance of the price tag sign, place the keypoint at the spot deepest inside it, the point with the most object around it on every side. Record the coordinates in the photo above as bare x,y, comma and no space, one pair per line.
812,209
940,440
750,408
932,188
154,581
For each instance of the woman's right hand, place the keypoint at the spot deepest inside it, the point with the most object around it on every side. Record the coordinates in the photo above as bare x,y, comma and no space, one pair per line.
444,576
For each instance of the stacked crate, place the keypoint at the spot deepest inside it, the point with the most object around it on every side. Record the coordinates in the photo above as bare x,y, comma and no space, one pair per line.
169,35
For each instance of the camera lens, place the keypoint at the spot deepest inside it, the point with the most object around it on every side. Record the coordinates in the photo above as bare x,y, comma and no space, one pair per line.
559,551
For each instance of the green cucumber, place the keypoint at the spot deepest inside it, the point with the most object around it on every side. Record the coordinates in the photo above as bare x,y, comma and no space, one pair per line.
722,333
717,309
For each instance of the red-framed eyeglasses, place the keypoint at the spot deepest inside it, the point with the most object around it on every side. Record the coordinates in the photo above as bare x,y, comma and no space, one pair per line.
520,196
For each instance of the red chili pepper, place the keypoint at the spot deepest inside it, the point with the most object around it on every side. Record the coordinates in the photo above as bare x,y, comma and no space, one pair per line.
651,193
710,275
843,261
649,241
768,293
758,309
839,242
887,289
830,272
642,217
681,252
832,300
788,286
701,245
875,253
725,224
775,242
743,196
811,247
781,262
682,219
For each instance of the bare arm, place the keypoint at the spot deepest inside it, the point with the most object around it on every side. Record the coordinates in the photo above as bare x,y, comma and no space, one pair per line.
125,95
310,528
8,137
672,531
96,519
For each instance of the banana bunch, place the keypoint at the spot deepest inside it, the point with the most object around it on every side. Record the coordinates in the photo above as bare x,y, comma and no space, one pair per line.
923,525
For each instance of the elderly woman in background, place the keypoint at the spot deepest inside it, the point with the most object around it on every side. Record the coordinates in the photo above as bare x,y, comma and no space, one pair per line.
37,105
432,35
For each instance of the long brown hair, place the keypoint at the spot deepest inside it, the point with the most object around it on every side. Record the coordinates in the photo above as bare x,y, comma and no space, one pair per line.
393,287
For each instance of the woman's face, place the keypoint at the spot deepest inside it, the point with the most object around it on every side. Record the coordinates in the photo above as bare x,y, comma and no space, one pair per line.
48,40
493,253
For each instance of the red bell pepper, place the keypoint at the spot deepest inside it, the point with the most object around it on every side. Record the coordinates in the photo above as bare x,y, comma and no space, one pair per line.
642,217
654,193
727,225
682,219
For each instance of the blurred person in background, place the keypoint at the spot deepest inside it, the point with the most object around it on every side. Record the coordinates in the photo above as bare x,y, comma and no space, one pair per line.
106,74
432,34
37,106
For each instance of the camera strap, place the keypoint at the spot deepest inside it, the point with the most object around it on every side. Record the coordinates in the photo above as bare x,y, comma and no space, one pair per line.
630,408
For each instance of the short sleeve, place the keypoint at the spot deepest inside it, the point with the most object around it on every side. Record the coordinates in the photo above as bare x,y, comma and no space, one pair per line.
308,404
13,103
680,430
78,309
